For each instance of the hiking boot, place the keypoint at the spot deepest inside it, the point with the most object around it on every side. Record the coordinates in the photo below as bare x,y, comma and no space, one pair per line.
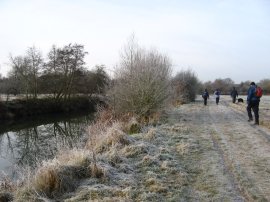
249,120
256,123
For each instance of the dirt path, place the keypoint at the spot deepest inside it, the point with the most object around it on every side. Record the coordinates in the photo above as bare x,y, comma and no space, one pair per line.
201,153
233,156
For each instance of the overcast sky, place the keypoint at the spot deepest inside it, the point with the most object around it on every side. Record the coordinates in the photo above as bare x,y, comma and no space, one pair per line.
215,38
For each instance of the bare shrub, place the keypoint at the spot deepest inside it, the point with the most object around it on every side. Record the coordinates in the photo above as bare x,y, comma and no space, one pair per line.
185,86
141,80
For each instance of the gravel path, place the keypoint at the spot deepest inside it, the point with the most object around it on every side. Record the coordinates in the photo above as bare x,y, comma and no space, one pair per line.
234,155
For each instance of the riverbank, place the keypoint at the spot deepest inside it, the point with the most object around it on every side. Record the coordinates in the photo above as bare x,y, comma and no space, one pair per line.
15,110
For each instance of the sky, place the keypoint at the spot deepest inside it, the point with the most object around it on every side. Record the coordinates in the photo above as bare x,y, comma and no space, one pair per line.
214,38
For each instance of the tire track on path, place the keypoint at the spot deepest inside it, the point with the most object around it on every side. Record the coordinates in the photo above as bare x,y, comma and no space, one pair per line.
244,150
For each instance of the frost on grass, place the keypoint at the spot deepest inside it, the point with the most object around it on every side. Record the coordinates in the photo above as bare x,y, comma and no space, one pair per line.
139,167
114,166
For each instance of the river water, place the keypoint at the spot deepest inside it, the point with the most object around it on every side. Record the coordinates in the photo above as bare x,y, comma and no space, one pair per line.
29,142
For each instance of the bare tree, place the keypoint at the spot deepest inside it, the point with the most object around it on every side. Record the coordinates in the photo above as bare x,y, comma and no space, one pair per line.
27,70
20,71
36,64
141,80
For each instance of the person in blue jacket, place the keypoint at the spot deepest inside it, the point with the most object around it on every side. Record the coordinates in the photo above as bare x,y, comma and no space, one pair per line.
253,103
217,95
205,96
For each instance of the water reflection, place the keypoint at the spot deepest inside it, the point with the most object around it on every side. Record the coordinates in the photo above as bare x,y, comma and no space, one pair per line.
27,147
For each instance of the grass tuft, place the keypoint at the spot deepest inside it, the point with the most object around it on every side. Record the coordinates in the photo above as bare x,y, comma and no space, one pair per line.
96,171
111,137
182,148
132,126
151,134
148,161
155,186
114,158
47,180
135,150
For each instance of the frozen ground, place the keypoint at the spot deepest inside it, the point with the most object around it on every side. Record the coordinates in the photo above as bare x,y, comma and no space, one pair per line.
200,153
197,153
235,154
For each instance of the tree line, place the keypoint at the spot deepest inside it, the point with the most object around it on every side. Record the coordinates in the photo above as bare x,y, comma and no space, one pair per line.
142,83
62,74
226,85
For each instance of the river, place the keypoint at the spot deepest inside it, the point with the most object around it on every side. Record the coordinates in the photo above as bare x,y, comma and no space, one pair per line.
27,143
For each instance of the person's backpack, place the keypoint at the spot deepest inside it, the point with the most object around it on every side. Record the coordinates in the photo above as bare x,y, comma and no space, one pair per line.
258,92
204,95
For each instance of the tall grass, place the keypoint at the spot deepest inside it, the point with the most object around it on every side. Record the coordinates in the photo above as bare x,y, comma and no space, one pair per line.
57,176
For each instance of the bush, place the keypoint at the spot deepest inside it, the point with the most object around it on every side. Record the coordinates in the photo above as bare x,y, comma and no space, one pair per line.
141,81
185,86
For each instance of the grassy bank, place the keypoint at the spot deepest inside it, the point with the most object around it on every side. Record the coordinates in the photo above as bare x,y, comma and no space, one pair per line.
104,160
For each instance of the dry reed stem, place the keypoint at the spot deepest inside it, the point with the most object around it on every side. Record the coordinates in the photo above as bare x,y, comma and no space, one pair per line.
6,184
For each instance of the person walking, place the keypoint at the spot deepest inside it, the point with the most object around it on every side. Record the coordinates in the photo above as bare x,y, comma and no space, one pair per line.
234,94
253,103
205,96
217,95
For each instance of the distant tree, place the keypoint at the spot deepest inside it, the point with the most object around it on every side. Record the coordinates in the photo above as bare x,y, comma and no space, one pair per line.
9,86
91,82
20,71
265,85
185,86
26,69
52,73
63,64
101,78
243,87
224,85
209,86
36,63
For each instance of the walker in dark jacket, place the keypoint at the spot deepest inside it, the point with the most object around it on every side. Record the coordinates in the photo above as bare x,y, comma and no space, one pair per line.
217,94
205,96
253,103
234,94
